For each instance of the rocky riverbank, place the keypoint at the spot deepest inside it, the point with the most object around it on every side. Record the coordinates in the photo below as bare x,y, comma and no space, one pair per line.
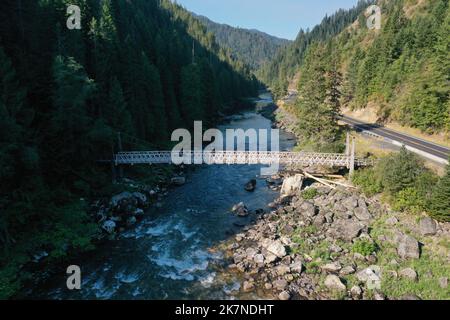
323,243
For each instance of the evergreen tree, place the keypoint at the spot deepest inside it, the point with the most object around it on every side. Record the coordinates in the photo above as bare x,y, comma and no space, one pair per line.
440,199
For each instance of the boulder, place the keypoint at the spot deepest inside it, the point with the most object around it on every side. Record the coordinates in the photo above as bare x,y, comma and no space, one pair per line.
259,259
141,198
284,296
347,229
250,186
371,276
356,292
333,282
291,185
362,214
409,273
350,203
277,248
178,181
392,221
248,286
332,267
240,209
117,199
109,226
297,267
347,271
280,284
408,248
428,227
308,209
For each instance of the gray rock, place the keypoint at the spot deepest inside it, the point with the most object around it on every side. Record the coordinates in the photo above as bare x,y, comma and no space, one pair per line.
297,267
142,198
428,226
356,292
409,274
259,259
332,267
109,226
392,221
291,185
284,296
347,271
371,276
282,270
248,286
362,214
308,209
250,186
240,209
277,248
350,203
408,248
115,200
347,230
333,282
280,284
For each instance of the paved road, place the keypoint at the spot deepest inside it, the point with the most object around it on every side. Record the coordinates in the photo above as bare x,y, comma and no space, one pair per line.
417,143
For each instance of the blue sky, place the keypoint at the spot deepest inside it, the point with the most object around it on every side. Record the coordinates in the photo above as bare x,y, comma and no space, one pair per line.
282,18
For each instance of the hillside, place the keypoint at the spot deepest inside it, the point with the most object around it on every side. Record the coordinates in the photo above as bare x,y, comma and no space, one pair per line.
64,96
254,47
401,71
284,66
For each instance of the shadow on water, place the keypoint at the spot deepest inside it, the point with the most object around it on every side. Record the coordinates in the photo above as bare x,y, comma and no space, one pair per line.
168,255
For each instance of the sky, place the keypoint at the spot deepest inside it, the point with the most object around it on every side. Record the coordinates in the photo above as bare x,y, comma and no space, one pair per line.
281,18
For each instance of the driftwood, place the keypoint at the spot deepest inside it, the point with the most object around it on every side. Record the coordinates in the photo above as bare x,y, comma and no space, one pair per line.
327,182
322,181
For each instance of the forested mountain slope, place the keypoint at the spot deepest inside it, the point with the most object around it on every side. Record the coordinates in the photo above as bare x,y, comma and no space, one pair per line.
402,70
285,64
254,47
64,95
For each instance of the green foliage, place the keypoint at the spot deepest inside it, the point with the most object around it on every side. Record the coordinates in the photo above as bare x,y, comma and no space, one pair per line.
253,47
65,94
399,171
309,193
364,247
440,200
367,180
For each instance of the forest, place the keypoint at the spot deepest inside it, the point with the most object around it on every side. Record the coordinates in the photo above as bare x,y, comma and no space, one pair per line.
139,67
253,47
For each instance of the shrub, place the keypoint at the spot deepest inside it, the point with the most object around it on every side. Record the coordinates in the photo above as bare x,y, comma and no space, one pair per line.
364,247
439,203
409,199
368,182
309,193
399,171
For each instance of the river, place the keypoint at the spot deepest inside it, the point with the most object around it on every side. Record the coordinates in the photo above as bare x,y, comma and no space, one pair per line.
168,255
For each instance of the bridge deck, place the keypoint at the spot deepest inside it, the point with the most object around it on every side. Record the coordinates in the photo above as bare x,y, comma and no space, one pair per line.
241,157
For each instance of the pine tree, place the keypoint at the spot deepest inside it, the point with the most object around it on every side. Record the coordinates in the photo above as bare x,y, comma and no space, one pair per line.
440,199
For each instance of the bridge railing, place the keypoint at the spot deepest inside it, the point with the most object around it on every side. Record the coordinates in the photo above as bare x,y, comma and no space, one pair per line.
238,157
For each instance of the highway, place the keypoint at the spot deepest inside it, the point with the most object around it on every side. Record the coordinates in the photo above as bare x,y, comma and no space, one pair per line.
440,152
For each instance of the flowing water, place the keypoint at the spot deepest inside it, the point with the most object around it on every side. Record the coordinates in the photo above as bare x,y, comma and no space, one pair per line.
168,255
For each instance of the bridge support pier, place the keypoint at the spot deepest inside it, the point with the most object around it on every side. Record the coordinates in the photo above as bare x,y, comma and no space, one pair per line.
352,157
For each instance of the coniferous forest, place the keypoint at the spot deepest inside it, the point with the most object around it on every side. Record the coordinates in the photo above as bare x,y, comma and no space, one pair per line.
142,68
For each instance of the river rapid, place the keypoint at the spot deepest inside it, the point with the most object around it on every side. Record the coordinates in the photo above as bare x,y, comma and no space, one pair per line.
169,254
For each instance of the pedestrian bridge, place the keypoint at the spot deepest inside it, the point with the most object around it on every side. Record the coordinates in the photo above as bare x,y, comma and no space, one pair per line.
242,157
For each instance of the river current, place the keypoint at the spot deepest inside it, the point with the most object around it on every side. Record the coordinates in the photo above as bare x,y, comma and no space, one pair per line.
168,255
